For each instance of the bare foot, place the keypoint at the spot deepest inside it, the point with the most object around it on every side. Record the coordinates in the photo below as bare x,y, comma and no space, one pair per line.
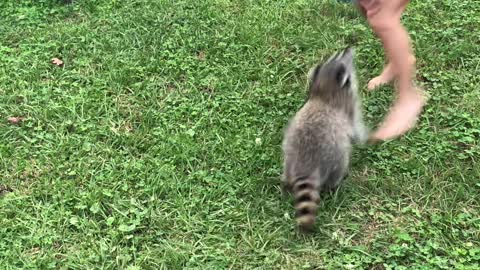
385,77
402,116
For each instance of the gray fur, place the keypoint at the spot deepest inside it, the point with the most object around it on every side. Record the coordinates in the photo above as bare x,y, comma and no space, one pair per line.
318,139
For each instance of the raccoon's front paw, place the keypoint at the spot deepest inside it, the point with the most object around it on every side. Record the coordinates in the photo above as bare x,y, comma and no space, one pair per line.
361,137
371,140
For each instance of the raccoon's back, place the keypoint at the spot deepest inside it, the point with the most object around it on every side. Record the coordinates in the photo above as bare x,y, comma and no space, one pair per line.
323,120
318,134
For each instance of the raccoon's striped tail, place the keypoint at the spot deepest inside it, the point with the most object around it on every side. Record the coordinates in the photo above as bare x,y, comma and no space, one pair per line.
307,198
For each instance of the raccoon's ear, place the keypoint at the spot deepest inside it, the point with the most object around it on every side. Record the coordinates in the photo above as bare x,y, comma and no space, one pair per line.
313,73
341,76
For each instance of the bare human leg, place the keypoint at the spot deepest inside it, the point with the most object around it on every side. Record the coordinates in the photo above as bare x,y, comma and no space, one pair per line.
384,18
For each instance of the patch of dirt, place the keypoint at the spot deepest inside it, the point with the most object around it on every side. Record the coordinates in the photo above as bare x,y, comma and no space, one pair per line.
208,90
201,55
4,189
378,266
379,222
34,251
368,233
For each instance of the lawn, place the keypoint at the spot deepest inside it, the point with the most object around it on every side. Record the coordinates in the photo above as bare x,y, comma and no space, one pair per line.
156,144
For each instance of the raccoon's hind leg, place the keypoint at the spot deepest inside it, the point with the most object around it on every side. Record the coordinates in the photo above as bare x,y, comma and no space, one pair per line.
286,178
285,184
336,176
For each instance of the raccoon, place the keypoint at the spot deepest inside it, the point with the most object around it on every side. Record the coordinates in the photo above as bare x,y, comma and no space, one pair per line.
318,139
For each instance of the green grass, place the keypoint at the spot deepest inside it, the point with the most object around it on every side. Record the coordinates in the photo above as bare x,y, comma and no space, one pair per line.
157,144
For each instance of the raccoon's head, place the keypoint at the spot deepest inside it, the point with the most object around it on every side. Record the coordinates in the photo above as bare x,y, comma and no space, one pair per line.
335,78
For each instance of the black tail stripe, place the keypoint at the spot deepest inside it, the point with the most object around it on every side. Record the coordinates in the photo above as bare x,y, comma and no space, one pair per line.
304,198
302,212
301,185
